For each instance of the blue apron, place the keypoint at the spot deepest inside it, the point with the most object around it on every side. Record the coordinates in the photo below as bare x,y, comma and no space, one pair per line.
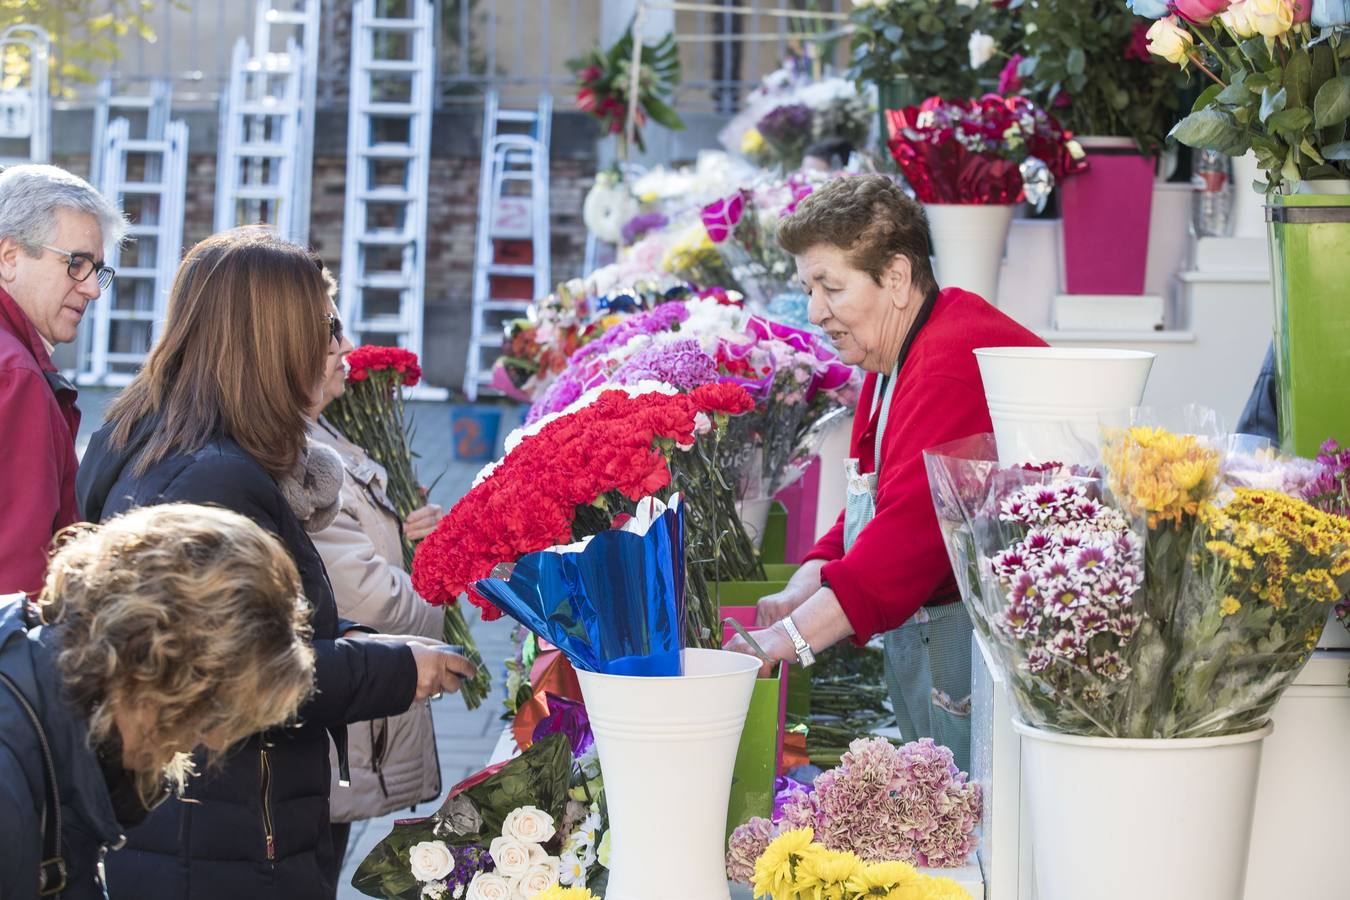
927,659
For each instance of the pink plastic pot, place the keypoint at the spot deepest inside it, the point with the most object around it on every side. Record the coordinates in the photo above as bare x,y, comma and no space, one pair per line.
1106,218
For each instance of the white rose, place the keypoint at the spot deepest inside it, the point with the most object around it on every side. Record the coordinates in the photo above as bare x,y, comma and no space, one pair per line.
1270,17
1238,19
529,824
981,49
430,860
488,886
537,854
536,881
511,856
1169,40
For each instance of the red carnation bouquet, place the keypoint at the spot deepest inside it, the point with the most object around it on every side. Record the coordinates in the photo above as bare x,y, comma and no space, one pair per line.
580,471
972,151
372,416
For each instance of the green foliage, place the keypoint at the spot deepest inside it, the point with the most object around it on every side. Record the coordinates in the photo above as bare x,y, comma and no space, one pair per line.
1288,101
1081,62
84,33
924,43
605,78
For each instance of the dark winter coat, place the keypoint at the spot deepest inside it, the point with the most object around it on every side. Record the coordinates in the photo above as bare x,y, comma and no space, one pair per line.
88,823
259,825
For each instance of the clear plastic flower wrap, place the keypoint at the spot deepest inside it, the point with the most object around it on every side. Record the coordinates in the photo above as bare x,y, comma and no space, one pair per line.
1173,589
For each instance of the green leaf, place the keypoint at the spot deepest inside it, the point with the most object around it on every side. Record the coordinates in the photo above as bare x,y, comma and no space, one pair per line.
1331,106
663,114
1076,63
1272,101
1213,129
1298,77
1340,150
1291,120
1236,94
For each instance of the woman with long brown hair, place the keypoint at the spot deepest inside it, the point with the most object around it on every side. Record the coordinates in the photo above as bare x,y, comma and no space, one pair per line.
218,415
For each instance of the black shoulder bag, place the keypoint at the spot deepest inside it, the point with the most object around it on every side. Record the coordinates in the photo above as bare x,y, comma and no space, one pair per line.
52,870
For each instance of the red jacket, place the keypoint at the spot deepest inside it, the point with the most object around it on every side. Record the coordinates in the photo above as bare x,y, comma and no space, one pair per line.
898,562
38,425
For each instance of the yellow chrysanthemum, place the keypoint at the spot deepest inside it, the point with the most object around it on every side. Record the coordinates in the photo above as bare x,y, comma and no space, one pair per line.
1229,606
1164,475
882,880
931,888
752,142
824,874
558,892
776,867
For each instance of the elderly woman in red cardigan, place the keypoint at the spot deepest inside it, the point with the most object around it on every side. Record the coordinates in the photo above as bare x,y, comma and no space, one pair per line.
862,250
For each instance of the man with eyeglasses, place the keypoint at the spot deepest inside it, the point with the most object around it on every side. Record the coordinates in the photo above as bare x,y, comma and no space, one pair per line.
54,230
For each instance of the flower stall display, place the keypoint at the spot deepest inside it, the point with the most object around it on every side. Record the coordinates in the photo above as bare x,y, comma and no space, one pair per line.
1329,491
371,414
912,49
1087,62
881,804
605,79
1278,90
743,226
789,109
1147,611
514,830
969,162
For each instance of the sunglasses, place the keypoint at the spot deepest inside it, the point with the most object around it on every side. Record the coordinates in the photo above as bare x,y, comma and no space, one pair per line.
79,266
334,326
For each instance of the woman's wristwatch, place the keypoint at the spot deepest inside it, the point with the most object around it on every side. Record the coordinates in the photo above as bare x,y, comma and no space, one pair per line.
804,654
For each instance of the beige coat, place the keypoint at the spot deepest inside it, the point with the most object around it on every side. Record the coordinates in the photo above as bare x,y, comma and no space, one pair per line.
393,761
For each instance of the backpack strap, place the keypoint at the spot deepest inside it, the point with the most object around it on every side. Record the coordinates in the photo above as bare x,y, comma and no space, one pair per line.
52,870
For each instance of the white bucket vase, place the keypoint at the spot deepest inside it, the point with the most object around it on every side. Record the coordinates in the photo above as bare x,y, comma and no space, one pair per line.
667,747
968,242
754,516
1115,819
1046,403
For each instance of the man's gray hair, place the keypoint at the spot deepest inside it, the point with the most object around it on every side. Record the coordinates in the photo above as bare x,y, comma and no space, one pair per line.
30,196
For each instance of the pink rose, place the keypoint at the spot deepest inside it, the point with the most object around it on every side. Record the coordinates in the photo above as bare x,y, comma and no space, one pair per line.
1302,10
1008,80
1199,11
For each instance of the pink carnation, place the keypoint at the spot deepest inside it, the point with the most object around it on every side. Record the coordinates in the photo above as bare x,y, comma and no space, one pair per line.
748,843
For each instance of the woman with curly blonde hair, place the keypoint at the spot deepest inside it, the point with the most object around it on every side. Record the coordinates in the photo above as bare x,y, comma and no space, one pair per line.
163,630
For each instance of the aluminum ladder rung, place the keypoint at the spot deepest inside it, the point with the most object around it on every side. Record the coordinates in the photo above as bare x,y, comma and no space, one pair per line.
507,305
382,24
260,192
393,65
385,281
264,108
387,238
388,109
387,195
141,187
388,151
146,146
263,149
524,271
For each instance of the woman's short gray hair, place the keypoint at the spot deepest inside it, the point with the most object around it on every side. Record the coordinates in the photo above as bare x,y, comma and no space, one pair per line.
30,195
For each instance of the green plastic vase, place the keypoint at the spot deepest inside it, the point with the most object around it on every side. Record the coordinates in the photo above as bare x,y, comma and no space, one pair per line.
1310,274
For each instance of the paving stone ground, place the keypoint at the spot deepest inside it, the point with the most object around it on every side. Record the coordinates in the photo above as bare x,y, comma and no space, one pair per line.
464,739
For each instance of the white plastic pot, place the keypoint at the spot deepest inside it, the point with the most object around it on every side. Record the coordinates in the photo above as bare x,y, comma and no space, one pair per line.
1125,819
1046,403
667,748
968,243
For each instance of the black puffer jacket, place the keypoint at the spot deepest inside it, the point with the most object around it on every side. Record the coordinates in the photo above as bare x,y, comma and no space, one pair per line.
258,826
88,823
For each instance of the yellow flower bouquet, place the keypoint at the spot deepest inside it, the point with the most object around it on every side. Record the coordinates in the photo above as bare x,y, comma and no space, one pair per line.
795,867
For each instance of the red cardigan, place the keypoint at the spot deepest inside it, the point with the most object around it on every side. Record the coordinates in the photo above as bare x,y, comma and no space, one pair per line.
38,425
898,562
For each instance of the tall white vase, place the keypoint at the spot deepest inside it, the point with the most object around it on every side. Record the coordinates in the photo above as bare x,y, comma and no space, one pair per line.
1046,403
968,242
1126,819
667,748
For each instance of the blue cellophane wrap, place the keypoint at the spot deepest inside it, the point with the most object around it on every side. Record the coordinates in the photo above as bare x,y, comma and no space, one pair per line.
614,607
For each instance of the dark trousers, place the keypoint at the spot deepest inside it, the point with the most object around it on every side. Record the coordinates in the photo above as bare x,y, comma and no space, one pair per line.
341,831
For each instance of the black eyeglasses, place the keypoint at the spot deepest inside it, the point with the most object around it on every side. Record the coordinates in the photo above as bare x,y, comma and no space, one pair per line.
334,326
79,266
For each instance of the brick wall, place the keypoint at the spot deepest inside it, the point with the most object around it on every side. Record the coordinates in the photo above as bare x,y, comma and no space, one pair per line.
452,215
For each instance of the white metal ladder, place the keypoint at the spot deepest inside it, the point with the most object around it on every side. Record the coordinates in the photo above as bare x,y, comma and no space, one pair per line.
512,204
273,22
260,118
147,179
150,108
384,235
26,108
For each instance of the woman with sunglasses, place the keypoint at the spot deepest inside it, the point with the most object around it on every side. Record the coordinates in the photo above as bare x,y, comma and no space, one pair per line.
218,415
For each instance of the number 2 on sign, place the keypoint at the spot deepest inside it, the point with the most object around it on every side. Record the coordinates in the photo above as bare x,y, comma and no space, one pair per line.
511,217
469,443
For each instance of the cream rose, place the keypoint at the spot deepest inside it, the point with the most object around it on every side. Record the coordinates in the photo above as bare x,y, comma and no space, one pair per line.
536,881
1270,17
511,856
488,886
430,860
529,824
1166,38
1238,20
981,48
